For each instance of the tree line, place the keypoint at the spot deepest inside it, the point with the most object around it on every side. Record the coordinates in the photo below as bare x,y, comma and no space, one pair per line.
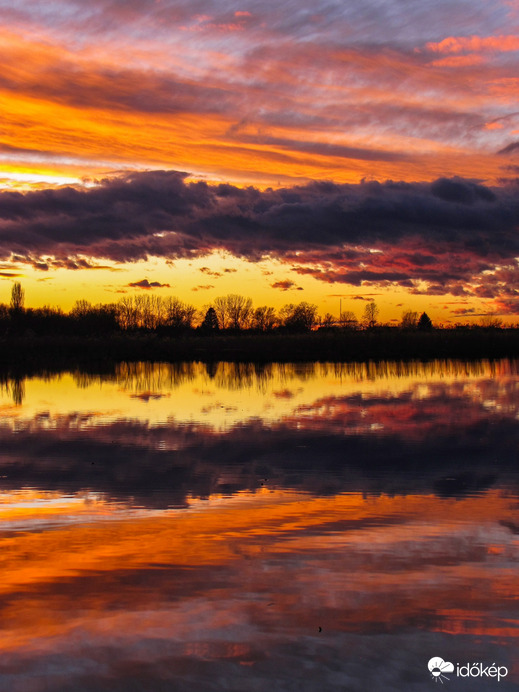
170,315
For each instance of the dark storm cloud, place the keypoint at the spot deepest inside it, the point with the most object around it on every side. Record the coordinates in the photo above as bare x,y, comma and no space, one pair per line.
460,192
164,214
449,230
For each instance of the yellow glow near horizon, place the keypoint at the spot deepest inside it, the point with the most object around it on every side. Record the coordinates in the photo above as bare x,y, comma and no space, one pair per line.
162,394
199,281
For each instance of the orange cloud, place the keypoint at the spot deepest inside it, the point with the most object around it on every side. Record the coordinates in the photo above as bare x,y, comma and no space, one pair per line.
458,61
85,111
475,44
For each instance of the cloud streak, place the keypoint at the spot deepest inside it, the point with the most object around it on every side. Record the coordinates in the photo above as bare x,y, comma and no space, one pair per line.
302,91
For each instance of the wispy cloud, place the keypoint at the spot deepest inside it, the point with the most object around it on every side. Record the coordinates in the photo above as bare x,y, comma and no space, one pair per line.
267,93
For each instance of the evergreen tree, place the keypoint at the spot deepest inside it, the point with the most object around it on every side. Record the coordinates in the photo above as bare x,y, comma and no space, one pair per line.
210,323
425,321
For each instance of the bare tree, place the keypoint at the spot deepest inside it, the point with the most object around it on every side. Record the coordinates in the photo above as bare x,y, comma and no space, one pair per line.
127,313
220,307
152,312
409,320
178,314
328,320
370,316
149,311
81,308
264,318
490,321
90,319
240,310
348,320
233,311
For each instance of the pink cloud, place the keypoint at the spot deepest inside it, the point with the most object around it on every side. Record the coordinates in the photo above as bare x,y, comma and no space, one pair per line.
475,44
458,61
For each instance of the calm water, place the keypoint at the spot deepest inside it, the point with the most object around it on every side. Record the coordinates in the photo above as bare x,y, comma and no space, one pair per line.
290,527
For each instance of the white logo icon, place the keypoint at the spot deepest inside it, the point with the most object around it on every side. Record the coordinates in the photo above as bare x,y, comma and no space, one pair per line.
437,667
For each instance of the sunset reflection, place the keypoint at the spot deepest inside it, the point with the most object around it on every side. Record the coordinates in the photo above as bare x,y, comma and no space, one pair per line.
237,580
291,539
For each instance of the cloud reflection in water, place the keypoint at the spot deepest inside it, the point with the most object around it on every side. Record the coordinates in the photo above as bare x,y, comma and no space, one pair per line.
367,526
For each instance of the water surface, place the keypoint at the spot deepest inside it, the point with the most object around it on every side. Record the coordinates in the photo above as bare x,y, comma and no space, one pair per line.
284,527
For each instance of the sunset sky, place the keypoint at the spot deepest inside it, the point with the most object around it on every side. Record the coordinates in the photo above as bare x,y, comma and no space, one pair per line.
316,150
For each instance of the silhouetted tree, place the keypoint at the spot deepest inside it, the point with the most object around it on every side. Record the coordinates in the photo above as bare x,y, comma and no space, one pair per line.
81,308
178,315
328,320
233,311
425,322
95,319
49,320
490,321
147,312
17,297
16,311
409,320
370,316
150,310
220,308
210,322
348,320
4,318
264,318
127,313
298,318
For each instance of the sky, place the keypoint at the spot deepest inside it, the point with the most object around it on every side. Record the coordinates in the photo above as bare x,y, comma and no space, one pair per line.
327,151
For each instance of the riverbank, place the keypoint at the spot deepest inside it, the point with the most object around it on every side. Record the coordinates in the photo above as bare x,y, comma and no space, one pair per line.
331,346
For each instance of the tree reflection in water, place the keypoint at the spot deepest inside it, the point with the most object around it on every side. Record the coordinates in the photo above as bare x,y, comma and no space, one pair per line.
310,526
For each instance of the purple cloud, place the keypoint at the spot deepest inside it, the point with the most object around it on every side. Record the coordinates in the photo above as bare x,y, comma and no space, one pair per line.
450,234
144,283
